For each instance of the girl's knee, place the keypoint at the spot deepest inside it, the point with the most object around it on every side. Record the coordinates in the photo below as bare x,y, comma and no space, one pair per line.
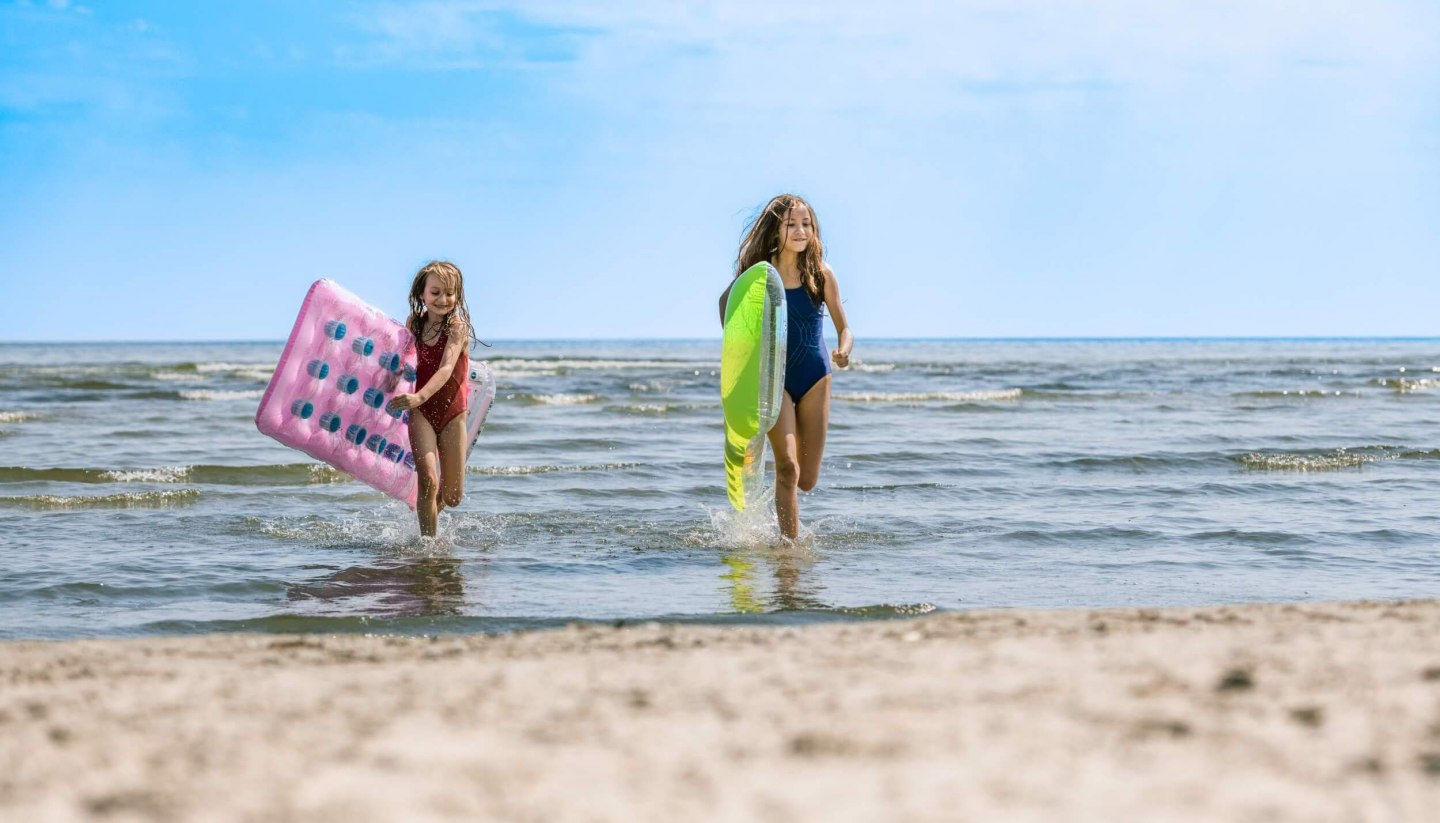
453,497
427,485
807,480
787,471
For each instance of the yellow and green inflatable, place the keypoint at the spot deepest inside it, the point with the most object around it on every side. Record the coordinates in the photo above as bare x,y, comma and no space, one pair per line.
752,376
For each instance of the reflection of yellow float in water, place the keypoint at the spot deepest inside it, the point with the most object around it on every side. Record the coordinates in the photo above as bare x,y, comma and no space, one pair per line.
794,589
742,587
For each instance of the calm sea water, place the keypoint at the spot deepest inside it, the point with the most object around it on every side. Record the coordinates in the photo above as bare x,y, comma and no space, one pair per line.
136,496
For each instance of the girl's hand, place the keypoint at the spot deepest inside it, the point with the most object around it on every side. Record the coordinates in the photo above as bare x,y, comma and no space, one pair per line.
404,402
841,358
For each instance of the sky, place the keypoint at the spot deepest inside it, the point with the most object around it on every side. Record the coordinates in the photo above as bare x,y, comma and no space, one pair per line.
980,168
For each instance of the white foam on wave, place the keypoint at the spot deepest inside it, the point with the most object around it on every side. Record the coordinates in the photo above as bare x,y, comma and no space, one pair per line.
206,368
651,387
984,396
1305,463
163,474
1304,393
258,375
322,473
213,394
860,365
258,372
17,416
546,469
556,399
128,500
507,367
657,408
1405,386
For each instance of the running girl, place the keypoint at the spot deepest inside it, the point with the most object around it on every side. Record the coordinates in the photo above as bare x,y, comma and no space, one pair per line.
440,322
786,234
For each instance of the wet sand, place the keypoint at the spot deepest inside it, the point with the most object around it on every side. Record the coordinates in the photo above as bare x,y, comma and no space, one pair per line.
1258,712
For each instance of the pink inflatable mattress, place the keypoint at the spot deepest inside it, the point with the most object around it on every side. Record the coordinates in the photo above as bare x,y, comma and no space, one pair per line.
342,364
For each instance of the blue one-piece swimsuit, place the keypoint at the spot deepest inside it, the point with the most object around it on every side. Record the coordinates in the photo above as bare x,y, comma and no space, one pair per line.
805,361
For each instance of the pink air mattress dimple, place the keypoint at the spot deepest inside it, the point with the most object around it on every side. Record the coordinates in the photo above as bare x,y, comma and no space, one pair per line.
342,364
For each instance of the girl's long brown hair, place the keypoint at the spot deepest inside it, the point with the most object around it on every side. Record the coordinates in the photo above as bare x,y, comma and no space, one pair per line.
762,243
449,274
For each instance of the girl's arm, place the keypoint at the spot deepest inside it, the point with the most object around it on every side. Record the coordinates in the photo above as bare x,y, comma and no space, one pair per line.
841,354
459,338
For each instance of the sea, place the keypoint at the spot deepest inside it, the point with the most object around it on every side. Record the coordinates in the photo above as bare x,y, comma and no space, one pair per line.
137,497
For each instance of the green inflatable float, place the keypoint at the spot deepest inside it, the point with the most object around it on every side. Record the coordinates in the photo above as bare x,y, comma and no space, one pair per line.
752,376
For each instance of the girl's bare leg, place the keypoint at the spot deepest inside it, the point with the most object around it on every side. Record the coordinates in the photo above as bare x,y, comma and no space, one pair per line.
427,473
452,462
787,469
812,421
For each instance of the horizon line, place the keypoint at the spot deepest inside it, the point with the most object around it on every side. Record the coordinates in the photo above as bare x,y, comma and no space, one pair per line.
716,339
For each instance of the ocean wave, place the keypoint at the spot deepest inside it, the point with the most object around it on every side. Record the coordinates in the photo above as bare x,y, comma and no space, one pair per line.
321,473
251,375
129,500
507,367
651,387
1139,463
1406,386
206,368
165,474
1081,394
18,416
28,372
546,469
1301,393
981,396
862,366
554,399
78,384
219,394
652,409
264,475
641,408
1333,460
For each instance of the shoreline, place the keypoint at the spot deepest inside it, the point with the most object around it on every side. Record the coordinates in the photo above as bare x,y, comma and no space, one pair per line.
1289,711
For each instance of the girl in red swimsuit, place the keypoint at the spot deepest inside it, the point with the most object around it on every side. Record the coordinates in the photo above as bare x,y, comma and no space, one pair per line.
440,322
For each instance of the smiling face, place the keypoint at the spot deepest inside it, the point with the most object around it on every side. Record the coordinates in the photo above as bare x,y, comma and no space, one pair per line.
439,296
795,230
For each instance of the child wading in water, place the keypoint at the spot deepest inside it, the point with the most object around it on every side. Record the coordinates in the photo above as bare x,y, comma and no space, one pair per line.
440,321
786,234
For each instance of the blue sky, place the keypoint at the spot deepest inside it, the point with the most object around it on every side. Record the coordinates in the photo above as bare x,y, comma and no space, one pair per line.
985,168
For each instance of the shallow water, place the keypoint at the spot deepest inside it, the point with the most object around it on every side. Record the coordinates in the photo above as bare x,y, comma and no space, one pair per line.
136,496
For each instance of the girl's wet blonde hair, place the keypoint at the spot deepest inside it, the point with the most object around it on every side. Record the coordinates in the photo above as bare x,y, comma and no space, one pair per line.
762,243
449,275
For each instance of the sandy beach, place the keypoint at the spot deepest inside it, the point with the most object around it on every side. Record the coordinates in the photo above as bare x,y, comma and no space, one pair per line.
1256,712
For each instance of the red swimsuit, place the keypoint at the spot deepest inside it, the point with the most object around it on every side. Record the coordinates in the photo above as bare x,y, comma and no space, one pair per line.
448,403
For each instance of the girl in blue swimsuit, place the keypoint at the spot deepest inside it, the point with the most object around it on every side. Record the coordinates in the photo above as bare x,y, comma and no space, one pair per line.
786,233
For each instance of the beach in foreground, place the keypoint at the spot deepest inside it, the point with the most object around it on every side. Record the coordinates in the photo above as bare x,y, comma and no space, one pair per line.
1324,711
